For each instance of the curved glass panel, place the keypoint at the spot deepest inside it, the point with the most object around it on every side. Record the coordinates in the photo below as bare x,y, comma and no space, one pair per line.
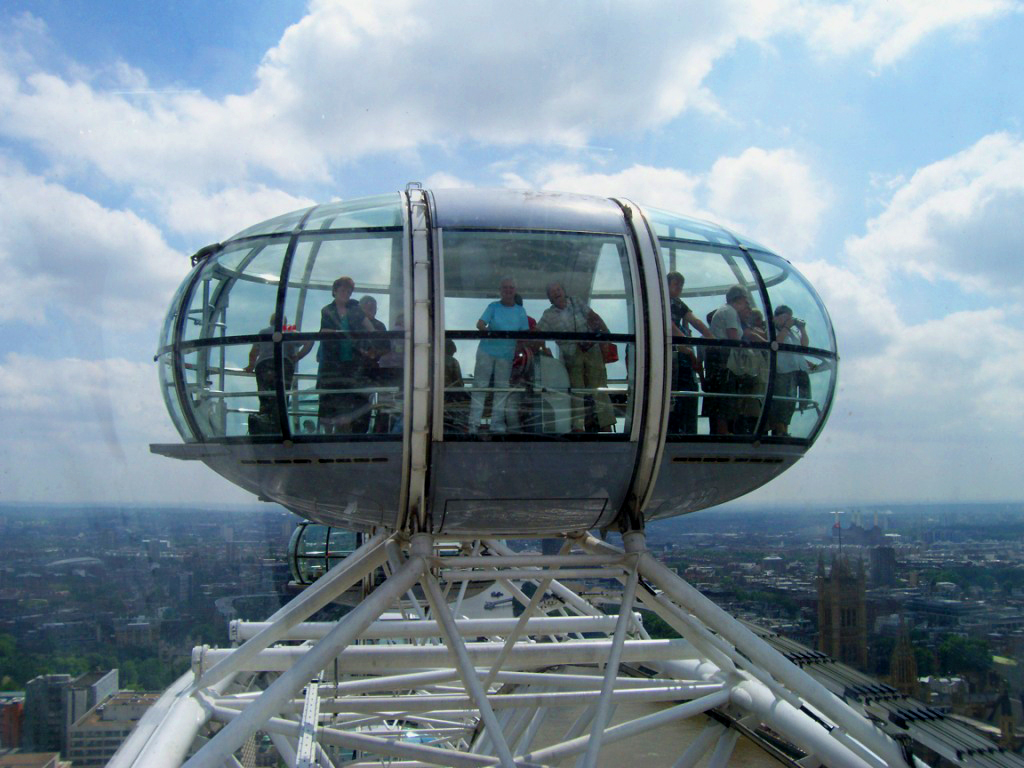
277,225
364,212
226,400
166,372
803,389
788,290
311,553
675,227
167,362
716,389
315,549
352,384
236,293
533,312
167,332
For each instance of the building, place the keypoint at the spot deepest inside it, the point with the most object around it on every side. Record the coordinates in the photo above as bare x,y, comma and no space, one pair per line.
54,702
12,713
136,633
33,760
883,566
84,694
94,738
43,726
903,665
842,612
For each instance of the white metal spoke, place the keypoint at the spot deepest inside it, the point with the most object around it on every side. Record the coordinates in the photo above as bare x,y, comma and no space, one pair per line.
604,703
311,662
437,688
465,665
306,751
348,573
723,749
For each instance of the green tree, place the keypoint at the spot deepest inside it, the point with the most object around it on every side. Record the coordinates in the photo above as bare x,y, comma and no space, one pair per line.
964,655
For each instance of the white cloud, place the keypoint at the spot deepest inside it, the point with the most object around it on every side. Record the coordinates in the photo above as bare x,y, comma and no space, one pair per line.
442,180
935,411
78,431
63,251
864,316
934,381
959,219
218,215
666,188
771,196
351,79
889,29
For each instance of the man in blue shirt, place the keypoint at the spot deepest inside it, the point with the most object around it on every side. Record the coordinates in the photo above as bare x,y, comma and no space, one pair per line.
494,358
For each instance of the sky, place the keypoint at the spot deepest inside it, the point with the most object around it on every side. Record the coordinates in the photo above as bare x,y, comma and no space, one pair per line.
877,144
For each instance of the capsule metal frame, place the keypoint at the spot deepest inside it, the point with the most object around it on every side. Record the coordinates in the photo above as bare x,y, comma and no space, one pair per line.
430,477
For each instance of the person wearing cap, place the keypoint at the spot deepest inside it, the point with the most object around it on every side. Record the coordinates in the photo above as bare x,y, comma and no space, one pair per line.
788,366
682,416
726,324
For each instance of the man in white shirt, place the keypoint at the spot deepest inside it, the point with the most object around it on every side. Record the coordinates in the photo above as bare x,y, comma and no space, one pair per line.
583,360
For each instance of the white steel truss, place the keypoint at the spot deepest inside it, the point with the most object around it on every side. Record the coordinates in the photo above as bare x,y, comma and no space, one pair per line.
407,679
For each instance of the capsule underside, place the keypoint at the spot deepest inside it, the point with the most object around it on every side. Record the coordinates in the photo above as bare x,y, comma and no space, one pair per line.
428,422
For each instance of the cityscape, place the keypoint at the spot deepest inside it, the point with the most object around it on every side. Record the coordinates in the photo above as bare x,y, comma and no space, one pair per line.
100,607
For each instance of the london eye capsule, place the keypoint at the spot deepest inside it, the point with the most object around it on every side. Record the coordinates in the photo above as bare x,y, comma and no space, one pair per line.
512,363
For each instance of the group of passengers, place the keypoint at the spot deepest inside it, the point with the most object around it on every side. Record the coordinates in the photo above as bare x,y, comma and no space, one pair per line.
507,366
735,377
347,363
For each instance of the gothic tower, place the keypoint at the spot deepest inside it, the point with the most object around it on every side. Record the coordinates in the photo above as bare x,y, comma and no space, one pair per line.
903,665
842,612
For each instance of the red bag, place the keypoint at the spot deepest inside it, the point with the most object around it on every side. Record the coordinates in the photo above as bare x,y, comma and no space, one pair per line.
609,352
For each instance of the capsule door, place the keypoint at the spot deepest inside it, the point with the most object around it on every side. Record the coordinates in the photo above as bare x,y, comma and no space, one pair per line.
534,427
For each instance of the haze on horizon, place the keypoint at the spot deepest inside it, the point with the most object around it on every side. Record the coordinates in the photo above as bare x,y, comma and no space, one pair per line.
877,145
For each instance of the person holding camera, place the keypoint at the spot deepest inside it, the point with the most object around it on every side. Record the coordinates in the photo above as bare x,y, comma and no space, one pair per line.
788,367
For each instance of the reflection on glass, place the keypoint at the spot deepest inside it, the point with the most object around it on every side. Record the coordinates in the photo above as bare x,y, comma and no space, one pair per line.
341,285
171,396
224,396
236,292
284,223
733,377
747,376
537,309
269,374
802,401
315,549
380,211
675,227
790,291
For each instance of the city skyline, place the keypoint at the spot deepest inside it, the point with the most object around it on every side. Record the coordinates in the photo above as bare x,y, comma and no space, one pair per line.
876,145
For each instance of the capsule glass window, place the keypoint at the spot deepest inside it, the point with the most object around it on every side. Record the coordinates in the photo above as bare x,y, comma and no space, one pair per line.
539,334
225,399
236,292
804,385
166,372
789,291
717,387
345,297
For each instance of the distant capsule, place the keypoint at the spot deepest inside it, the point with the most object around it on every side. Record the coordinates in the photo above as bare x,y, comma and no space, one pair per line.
473,362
